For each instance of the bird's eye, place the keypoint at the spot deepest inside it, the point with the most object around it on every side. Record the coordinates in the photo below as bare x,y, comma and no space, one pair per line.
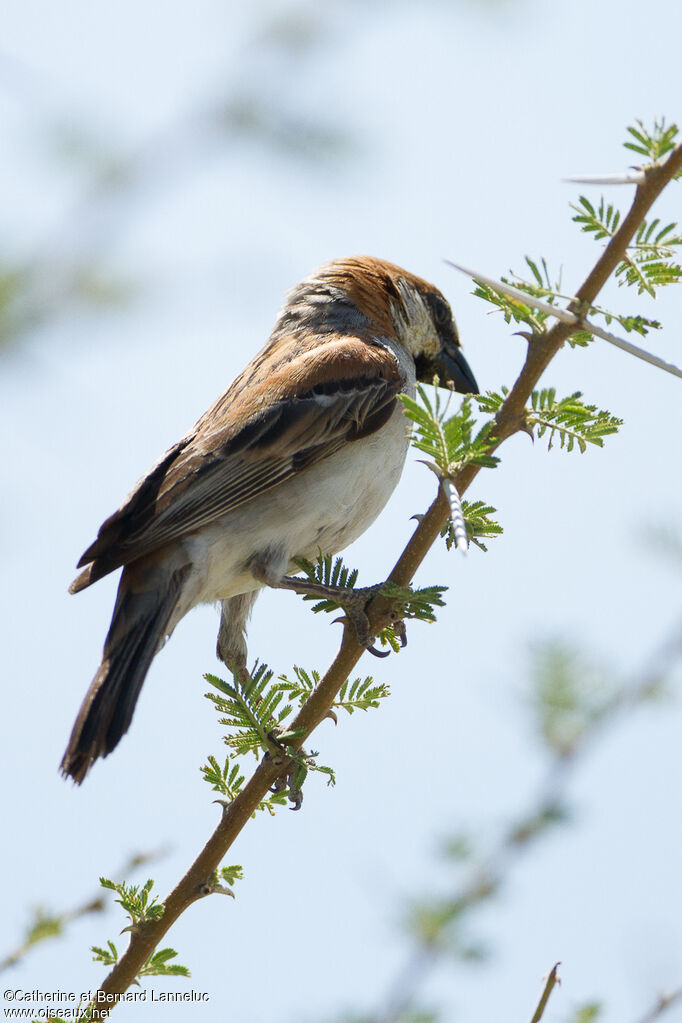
441,311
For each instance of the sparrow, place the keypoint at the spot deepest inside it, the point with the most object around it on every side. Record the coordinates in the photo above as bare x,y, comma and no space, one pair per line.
298,456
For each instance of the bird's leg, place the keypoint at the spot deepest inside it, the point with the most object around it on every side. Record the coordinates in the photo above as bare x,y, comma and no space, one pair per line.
266,568
353,603
231,644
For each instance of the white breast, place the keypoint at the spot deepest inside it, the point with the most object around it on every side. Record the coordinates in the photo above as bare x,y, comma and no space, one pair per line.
324,508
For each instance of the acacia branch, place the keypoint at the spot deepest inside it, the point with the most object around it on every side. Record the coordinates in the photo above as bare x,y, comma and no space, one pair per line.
541,350
663,1003
552,980
199,879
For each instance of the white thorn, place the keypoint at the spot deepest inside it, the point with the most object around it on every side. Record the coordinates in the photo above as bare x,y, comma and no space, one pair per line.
220,889
627,346
635,176
570,318
456,515
520,296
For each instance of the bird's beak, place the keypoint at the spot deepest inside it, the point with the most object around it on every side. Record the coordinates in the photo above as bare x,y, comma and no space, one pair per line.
451,367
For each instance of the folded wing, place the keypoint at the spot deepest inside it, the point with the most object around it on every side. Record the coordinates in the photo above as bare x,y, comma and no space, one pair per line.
273,423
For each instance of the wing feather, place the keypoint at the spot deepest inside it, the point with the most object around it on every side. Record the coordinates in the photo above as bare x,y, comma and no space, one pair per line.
336,392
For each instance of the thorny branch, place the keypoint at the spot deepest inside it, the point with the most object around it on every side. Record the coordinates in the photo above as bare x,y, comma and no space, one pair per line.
664,1003
552,979
198,880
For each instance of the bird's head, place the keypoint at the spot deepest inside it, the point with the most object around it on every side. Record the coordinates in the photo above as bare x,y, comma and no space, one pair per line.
367,295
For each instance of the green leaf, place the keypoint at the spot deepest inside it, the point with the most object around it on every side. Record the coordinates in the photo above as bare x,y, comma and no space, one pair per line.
230,875
635,324
587,1013
542,286
250,708
158,965
650,260
413,603
107,956
492,401
479,524
601,222
43,926
569,420
570,697
451,441
228,779
302,687
655,144
646,269
135,900
361,694
327,571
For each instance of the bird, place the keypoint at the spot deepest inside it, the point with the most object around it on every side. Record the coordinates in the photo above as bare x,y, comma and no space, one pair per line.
297,457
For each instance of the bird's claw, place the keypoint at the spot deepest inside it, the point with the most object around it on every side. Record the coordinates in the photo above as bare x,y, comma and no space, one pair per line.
401,631
354,605
286,783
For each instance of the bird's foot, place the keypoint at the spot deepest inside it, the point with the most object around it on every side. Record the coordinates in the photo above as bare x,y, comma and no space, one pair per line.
353,602
288,782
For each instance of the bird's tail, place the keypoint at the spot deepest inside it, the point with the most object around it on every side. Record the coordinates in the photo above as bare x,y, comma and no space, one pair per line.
147,596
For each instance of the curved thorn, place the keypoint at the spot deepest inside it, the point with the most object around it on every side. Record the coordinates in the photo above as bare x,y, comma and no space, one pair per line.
220,889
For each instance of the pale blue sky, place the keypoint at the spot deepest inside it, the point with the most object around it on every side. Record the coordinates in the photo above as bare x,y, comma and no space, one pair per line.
464,119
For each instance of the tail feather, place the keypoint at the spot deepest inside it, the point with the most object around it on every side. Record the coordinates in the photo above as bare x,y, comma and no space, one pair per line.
137,630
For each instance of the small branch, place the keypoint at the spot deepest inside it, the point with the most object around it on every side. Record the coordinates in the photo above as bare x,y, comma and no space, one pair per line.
552,979
541,351
510,419
657,177
664,1002
51,927
46,925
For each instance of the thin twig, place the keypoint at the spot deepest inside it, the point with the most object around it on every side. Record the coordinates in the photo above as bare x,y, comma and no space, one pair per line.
46,925
664,1002
552,979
